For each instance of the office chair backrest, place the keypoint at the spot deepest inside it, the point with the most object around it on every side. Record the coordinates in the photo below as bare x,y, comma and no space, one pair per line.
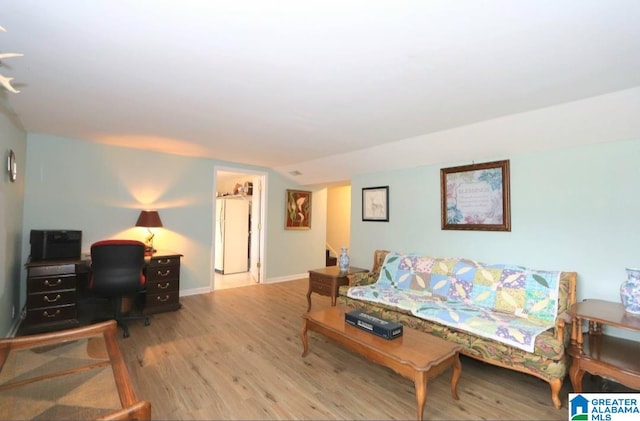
117,267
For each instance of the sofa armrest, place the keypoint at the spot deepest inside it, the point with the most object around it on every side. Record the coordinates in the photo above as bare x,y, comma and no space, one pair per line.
560,329
562,333
363,278
566,299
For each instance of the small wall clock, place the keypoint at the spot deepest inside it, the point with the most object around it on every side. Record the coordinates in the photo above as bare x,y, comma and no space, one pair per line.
12,166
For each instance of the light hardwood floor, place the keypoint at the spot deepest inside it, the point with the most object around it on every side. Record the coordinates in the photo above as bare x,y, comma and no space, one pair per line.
233,280
236,354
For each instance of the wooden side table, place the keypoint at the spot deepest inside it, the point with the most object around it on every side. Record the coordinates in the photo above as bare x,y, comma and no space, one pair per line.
603,355
326,281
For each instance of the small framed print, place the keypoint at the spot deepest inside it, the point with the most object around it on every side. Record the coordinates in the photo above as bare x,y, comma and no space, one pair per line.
375,204
297,213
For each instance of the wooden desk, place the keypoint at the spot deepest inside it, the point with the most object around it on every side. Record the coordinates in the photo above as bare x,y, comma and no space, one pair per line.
163,282
52,294
71,374
55,286
603,355
326,281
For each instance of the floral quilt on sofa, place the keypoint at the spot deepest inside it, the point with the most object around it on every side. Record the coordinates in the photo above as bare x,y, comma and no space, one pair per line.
507,303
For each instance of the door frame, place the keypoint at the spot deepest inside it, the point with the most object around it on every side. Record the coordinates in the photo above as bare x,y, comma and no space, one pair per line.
261,193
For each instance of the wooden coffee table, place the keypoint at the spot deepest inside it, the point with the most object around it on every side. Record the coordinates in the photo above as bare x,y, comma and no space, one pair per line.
415,355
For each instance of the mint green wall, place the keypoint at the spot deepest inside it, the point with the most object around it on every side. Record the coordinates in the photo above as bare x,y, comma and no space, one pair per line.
100,189
297,250
13,137
574,209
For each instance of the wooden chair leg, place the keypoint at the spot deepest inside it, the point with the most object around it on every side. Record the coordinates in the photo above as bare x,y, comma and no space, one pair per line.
556,385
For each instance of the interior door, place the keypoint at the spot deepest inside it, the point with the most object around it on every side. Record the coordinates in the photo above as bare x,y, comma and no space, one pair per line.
225,179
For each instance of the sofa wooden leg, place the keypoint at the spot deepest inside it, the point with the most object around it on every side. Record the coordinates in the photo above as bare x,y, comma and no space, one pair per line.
556,385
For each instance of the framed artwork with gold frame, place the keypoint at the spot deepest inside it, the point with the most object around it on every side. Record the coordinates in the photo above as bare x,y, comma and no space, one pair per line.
297,213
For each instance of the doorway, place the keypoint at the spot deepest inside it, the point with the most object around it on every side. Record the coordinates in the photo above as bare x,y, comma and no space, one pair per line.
239,223
338,221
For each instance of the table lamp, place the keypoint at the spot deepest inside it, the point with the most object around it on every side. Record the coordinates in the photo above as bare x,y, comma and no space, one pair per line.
149,219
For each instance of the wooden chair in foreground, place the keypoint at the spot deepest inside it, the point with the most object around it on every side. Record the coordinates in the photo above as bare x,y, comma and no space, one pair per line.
38,372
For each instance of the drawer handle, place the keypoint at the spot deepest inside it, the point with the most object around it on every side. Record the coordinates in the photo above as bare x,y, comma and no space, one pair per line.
46,313
165,285
49,300
164,261
162,300
165,273
49,284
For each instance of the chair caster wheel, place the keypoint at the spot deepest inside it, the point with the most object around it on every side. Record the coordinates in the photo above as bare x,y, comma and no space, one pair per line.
125,334
147,322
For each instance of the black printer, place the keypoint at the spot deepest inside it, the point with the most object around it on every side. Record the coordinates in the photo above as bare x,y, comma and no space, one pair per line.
55,244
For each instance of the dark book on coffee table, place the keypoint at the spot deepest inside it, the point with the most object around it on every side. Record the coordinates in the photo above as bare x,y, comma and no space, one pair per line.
373,324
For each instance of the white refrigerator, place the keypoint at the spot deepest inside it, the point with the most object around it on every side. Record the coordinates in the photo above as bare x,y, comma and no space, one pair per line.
232,235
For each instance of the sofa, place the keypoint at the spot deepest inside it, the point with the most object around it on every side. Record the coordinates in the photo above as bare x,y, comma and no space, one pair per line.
506,315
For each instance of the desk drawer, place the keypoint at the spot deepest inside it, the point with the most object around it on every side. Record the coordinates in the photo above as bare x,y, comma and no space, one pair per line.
166,301
164,261
52,269
162,286
51,299
163,274
51,314
51,283
320,285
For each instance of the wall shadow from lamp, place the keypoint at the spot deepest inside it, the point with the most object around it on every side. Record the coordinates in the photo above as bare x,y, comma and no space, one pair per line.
149,219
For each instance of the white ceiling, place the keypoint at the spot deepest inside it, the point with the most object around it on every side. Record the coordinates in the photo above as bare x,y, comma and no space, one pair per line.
284,82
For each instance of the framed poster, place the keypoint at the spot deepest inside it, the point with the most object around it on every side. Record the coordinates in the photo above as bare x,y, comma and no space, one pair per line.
476,197
375,204
297,212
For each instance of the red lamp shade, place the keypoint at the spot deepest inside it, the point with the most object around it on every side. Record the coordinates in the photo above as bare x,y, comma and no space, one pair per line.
149,219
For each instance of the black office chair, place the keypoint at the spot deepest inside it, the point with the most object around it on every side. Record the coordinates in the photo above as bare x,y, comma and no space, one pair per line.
117,272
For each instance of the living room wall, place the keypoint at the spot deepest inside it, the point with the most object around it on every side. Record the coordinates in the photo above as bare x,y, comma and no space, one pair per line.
574,209
100,189
13,138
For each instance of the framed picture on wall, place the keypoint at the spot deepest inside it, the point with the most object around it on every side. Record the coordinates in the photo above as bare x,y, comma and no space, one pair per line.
375,204
476,197
297,210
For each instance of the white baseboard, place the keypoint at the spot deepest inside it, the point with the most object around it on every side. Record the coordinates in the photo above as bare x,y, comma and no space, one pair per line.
304,275
206,290
195,291
14,327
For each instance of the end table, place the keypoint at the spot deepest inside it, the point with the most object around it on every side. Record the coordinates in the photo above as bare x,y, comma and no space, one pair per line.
326,281
599,354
